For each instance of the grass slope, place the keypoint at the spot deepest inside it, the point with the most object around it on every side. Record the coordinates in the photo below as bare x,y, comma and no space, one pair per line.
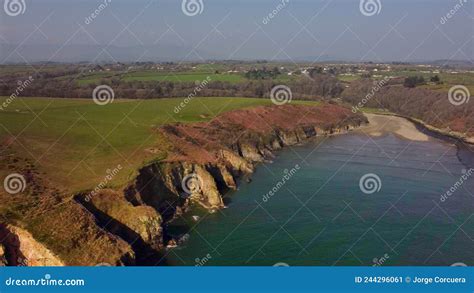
76,142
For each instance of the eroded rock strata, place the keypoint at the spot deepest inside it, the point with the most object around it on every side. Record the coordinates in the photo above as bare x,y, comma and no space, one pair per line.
43,220
19,248
204,160
215,154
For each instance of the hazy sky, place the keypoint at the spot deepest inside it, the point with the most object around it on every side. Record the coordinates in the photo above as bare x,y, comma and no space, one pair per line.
404,30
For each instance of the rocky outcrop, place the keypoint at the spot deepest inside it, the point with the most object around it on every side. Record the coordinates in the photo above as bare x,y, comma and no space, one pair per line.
204,161
135,224
237,163
19,248
50,219
3,259
251,153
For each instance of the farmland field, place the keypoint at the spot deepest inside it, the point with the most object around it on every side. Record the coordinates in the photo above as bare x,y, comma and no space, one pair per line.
448,79
94,77
76,141
180,76
198,74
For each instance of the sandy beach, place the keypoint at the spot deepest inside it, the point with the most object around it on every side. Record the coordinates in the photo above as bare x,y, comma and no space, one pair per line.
382,124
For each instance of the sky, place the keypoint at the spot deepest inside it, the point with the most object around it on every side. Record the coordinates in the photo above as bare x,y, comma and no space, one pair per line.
160,30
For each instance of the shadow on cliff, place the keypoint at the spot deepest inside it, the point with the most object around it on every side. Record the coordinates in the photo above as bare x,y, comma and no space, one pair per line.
146,255
11,243
151,190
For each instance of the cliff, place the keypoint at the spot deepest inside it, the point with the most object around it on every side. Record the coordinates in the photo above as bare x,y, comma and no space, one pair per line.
207,159
62,226
19,248
204,160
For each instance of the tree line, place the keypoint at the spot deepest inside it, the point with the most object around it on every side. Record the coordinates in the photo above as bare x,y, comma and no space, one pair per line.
55,85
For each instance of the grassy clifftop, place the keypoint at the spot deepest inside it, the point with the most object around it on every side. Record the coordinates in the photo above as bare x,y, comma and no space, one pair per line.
63,147
76,141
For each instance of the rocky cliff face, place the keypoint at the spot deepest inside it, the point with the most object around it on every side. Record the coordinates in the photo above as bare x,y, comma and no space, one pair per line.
136,224
129,227
3,259
19,248
206,160
53,229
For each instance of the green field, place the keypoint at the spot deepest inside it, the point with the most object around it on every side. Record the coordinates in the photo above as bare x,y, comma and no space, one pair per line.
211,67
75,141
464,78
190,76
94,77
199,74
349,78
448,79
180,76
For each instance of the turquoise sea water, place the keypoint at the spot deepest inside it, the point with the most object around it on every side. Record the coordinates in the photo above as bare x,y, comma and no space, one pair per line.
321,217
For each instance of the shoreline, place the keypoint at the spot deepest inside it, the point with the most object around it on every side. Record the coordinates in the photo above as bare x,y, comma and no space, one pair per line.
464,146
380,125
432,130
203,154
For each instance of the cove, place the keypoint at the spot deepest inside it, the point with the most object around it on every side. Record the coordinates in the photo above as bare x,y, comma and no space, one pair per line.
321,217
